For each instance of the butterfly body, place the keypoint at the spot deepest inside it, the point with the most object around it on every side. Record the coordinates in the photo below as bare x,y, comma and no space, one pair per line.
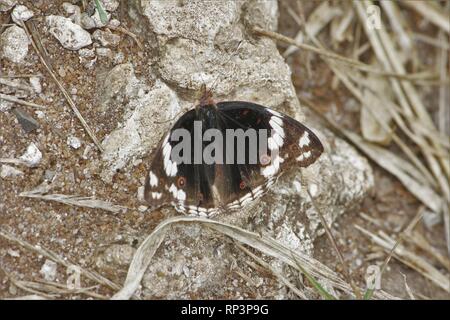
204,188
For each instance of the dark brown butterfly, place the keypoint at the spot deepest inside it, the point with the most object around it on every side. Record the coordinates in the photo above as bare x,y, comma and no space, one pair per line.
204,189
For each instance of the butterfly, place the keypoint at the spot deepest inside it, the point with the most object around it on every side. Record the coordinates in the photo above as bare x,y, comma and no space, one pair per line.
209,188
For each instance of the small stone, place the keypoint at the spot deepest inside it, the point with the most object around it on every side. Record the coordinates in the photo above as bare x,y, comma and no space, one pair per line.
103,52
21,13
35,83
48,270
70,8
9,172
87,22
74,142
6,5
87,57
70,35
106,39
40,114
142,208
98,22
5,105
110,5
49,174
26,121
14,44
114,23
140,194
119,58
86,152
13,253
32,156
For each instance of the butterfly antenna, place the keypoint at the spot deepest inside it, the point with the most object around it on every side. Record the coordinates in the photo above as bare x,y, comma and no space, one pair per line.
194,55
171,119
213,86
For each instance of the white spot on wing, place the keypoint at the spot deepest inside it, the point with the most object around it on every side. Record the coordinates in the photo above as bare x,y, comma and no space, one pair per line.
153,179
169,166
304,139
304,156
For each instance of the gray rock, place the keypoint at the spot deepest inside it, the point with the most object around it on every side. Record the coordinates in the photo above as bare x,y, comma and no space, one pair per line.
32,156
49,270
6,5
14,44
8,172
5,105
104,52
199,44
21,13
110,5
98,21
106,39
27,122
70,35
35,83
73,142
87,22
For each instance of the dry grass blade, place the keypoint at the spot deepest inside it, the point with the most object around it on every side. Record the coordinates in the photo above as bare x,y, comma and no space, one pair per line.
410,259
398,167
92,275
52,289
10,98
73,200
331,55
407,96
429,12
63,90
266,245
318,20
419,240
264,264
344,265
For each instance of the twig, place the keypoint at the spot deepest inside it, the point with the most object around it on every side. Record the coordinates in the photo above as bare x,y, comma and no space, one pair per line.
264,264
428,12
128,33
335,247
328,54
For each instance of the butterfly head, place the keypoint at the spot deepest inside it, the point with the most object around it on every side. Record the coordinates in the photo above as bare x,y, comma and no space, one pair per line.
206,97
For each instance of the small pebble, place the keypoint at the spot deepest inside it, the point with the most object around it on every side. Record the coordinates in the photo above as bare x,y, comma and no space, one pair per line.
74,142
14,253
9,172
6,5
103,52
32,155
21,13
48,270
35,83
142,208
14,44
70,35
106,39
27,122
110,5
